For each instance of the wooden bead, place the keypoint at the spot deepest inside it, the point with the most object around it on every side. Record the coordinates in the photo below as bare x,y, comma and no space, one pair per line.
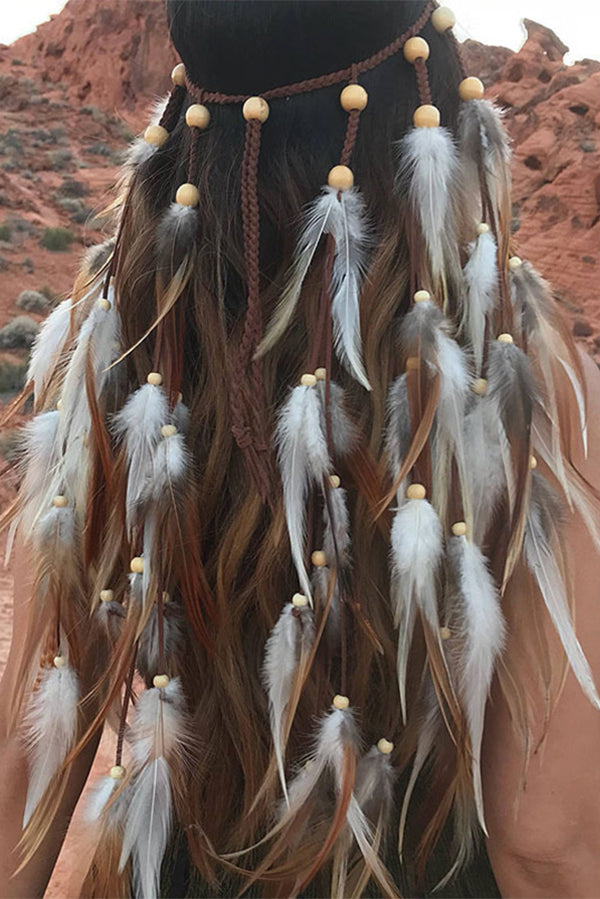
479,386
255,108
354,96
166,597
136,565
384,746
318,558
187,195
505,338
471,88
413,363
340,702
60,501
160,680
156,135
117,772
442,19
426,116
321,374
341,177
334,481
533,463
178,75
59,662
308,380
197,116
422,296
299,600
154,378
104,304
459,529
483,228
445,633
416,48
168,430
514,263
59,405
416,491
106,596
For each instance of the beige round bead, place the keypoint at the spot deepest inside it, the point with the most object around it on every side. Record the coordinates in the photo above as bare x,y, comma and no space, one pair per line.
156,135
59,405
117,772
445,632
107,595
533,463
479,386
166,597
187,195
340,177
60,501
318,558
168,430
471,88
160,680
308,380
340,702
422,296
416,48
505,338
426,116
178,75
416,491
459,529
413,363
514,263
154,378
59,662
334,481
197,116
299,600
354,96
136,565
321,374
483,228
442,19
103,303
255,108
384,746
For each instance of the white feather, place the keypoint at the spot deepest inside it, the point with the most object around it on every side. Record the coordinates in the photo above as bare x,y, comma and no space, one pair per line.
428,168
55,529
303,459
483,629
99,797
398,432
40,455
490,466
580,399
449,425
47,346
336,537
293,634
50,728
481,284
343,430
138,424
543,565
416,552
169,467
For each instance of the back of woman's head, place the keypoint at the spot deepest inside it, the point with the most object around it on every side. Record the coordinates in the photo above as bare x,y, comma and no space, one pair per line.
291,473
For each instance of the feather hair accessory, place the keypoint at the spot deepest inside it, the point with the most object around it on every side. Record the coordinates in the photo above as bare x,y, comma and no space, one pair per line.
50,729
481,287
47,346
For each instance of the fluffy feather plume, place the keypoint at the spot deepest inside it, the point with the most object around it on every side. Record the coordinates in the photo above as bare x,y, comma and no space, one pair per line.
149,644
343,217
398,433
157,734
176,236
50,729
138,425
541,536
169,467
490,465
40,456
482,626
99,798
485,161
481,285
47,346
303,459
416,552
290,641
427,174
336,537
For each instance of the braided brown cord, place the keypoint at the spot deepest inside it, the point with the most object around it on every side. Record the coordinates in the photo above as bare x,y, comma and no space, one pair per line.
423,82
458,53
311,84
172,110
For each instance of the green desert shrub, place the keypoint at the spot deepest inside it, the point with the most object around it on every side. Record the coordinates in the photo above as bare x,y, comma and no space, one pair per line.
57,239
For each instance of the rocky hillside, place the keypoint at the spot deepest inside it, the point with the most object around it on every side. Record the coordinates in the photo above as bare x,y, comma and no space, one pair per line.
74,93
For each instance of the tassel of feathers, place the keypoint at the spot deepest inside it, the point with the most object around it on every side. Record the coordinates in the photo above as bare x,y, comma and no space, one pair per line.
481,287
